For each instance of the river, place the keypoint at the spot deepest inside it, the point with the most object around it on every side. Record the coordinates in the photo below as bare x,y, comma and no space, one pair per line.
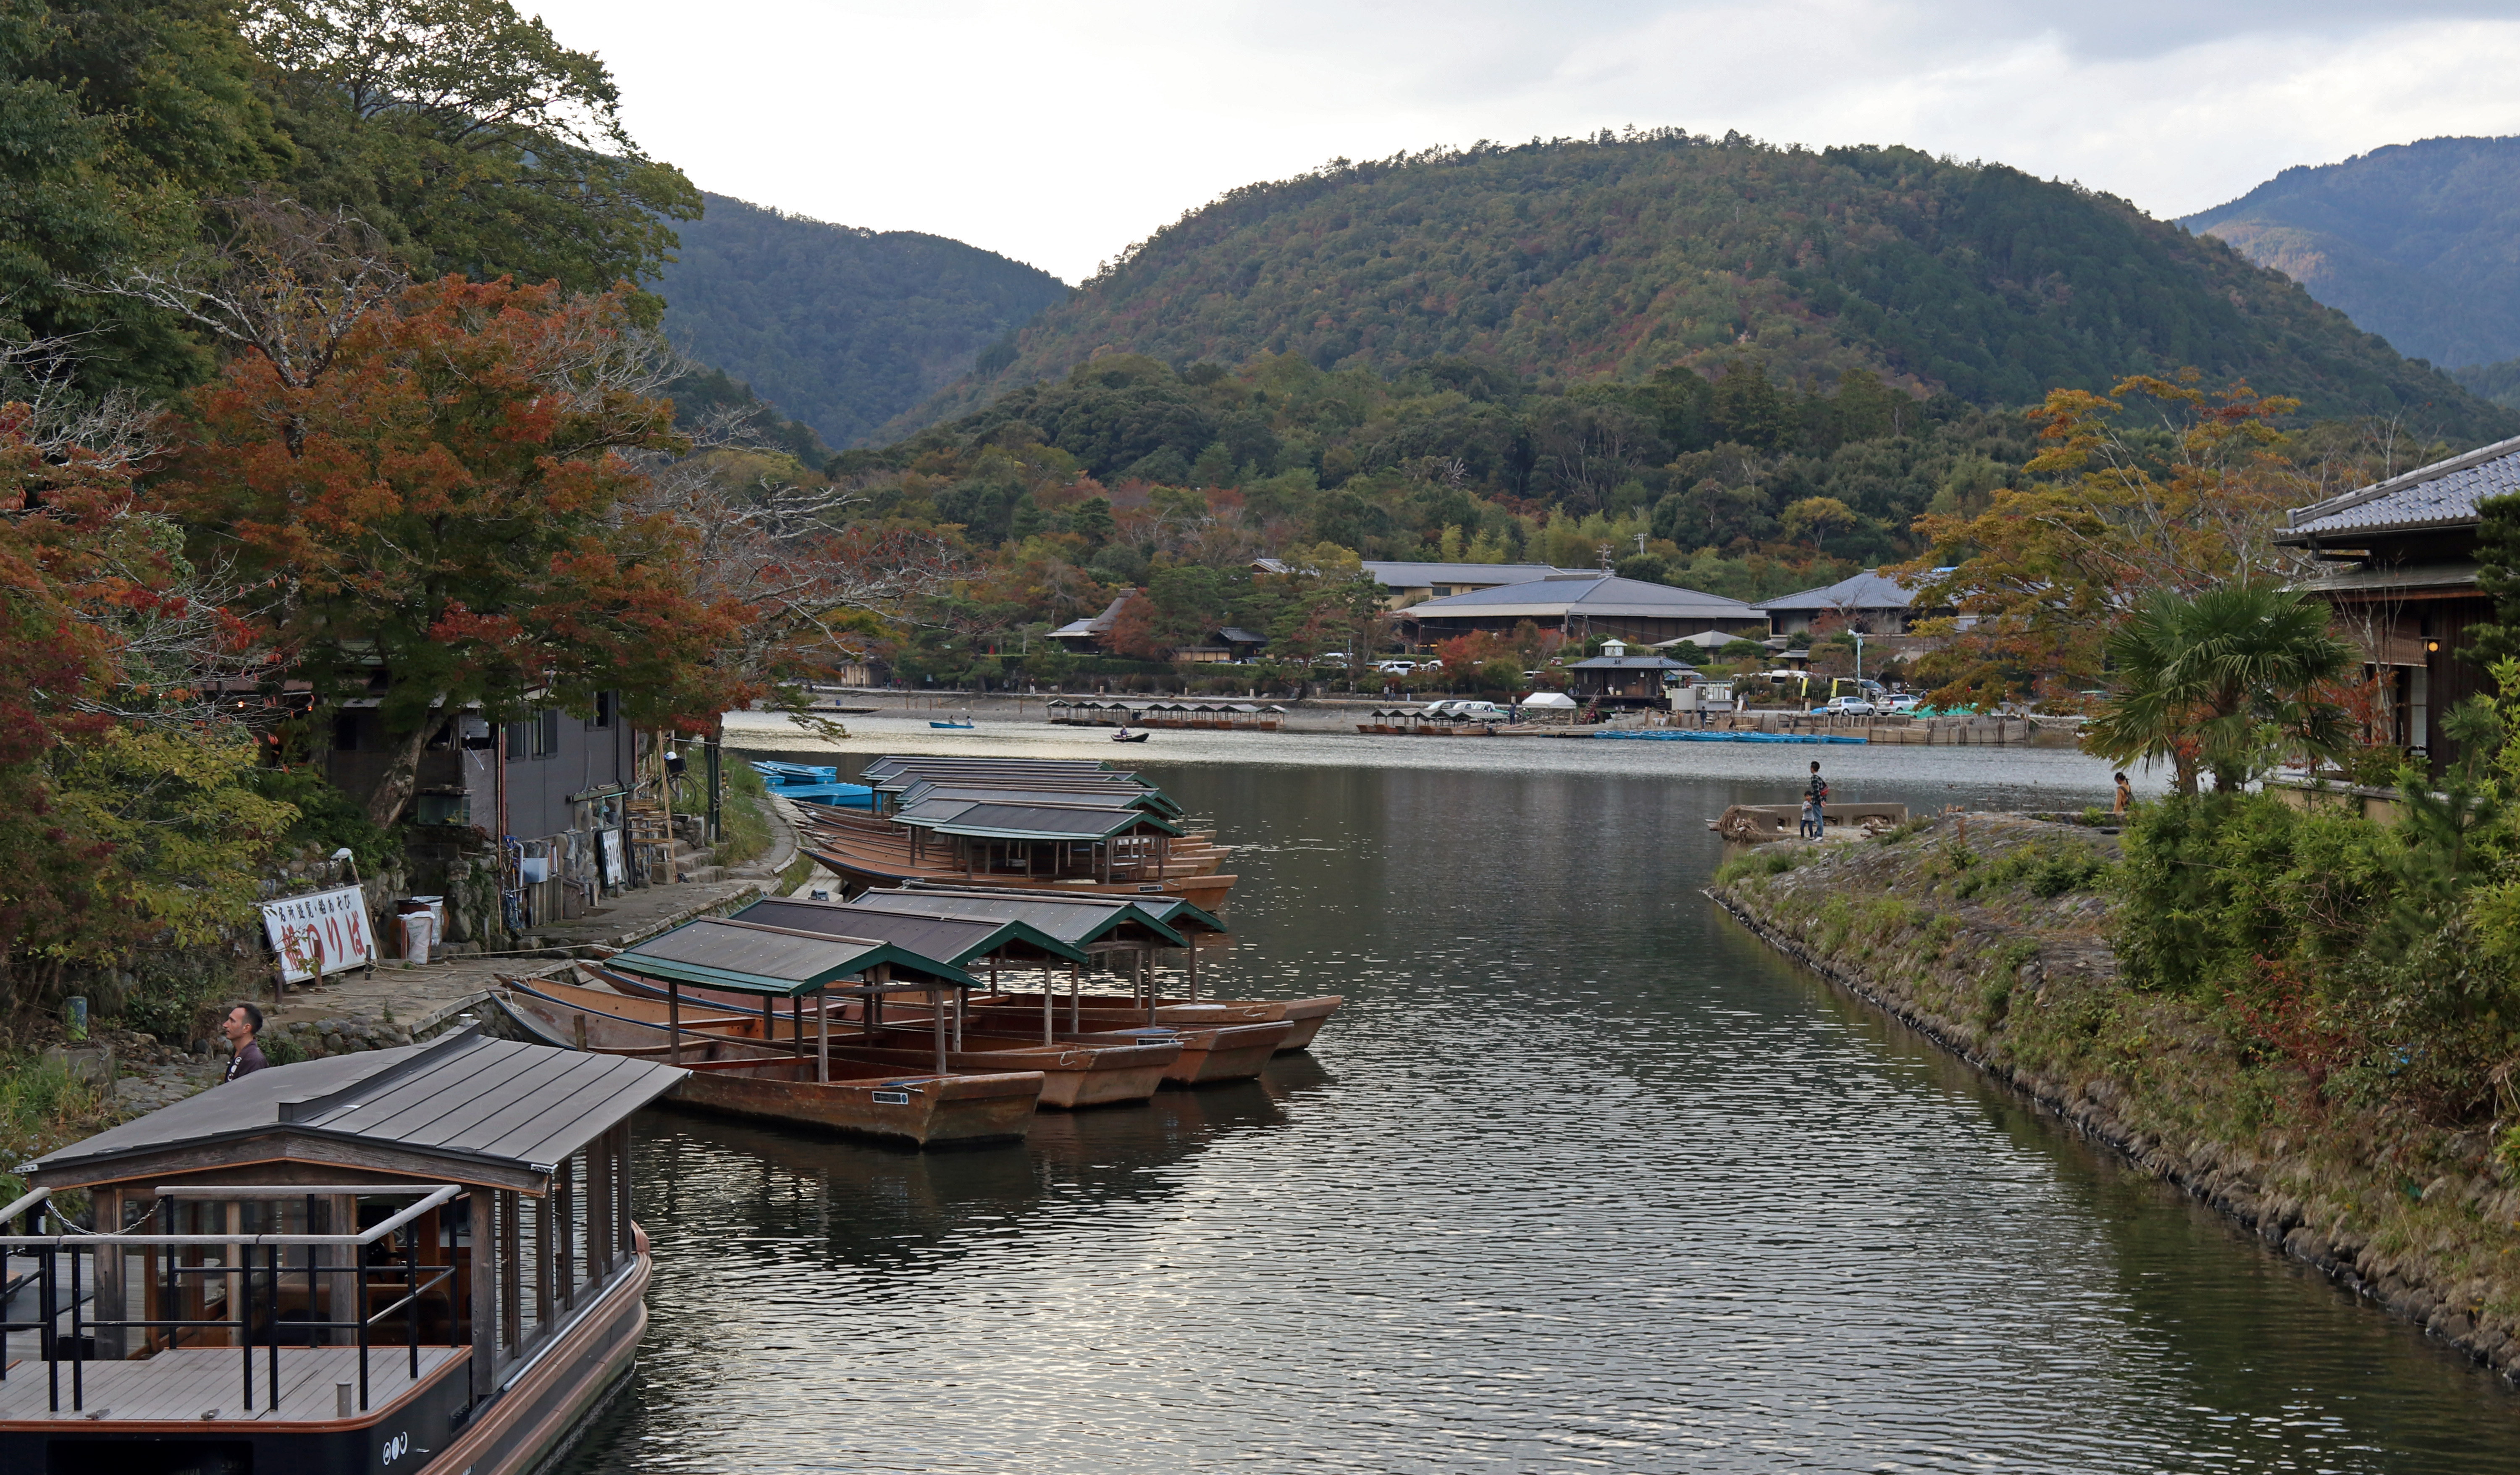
1582,1179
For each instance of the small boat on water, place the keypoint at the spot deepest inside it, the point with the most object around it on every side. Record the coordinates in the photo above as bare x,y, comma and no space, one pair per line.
1073,1074
1126,736
716,962
417,1260
965,726
1306,1015
896,1099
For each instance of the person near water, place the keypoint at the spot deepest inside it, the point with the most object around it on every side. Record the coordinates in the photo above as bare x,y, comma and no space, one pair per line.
1815,796
2125,795
243,1023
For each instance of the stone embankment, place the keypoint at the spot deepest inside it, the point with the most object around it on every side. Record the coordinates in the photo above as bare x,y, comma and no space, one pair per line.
1990,935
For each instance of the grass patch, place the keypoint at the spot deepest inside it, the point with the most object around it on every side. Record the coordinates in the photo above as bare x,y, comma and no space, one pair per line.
794,875
42,1107
743,822
1766,860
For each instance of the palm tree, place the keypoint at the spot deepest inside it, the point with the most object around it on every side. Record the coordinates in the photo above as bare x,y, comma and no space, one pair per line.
2223,682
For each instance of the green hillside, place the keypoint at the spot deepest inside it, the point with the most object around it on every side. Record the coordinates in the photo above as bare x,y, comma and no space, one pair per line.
1618,256
842,329
2419,242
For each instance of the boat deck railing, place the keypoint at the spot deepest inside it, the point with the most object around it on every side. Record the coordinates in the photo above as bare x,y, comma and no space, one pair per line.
78,1247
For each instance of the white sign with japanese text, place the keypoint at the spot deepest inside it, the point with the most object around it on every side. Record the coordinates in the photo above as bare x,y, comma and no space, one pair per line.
325,932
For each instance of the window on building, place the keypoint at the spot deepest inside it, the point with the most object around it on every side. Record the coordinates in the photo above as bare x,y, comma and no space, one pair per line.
603,717
346,731
547,733
520,742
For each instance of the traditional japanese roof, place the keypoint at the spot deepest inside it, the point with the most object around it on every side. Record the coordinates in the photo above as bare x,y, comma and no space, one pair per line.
2441,494
1603,596
1110,797
956,940
458,1105
1868,589
1092,625
1031,819
1080,920
1403,575
749,957
1235,635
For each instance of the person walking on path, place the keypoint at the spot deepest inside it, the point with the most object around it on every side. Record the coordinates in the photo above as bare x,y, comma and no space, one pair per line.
1815,796
2126,796
243,1022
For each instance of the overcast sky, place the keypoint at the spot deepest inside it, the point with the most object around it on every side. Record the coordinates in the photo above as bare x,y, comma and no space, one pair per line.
1058,132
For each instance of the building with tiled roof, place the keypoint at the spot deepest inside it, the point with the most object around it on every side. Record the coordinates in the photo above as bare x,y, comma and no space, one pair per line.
1583,604
1869,601
2402,576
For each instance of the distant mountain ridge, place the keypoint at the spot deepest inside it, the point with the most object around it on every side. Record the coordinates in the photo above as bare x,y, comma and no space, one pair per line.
837,326
2419,242
1618,255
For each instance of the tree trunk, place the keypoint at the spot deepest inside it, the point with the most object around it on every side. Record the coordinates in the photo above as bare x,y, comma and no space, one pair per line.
401,776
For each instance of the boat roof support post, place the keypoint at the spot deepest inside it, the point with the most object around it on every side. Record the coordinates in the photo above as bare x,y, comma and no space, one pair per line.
937,1023
1146,968
673,1022
485,1297
1049,991
1193,964
822,1036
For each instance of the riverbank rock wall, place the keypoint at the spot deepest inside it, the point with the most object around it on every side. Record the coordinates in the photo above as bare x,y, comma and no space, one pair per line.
1991,935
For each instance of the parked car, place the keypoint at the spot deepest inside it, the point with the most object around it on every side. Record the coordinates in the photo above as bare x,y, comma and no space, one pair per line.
1330,659
1395,667
1905,701
1848,706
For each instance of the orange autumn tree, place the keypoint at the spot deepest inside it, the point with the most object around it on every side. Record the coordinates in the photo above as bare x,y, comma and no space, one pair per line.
2183,502
442,511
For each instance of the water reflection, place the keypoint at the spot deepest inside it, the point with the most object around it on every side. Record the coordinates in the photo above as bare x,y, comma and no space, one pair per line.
1583,1178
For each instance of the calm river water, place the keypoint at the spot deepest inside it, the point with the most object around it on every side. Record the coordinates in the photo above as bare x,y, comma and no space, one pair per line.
1582,1179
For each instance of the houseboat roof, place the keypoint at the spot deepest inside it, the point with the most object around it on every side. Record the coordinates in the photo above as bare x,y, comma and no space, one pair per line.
751,958
1079,922
957,940
1100,796
2443,495
1869,590
462,1106
1035,819
1599,595
1175,911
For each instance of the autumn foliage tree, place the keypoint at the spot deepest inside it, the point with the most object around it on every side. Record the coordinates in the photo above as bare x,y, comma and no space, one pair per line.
444,513
2119,511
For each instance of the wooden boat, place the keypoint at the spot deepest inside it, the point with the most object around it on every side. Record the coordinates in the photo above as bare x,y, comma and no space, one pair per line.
1306,1015
956,727
893,1100
1209,1052
410,1260
1131,737
1074,1074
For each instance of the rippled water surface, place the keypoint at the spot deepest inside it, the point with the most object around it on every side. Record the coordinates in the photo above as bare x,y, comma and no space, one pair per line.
1580,1179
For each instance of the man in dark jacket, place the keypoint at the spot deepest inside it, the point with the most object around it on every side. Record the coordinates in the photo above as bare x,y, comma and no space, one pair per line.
243,1022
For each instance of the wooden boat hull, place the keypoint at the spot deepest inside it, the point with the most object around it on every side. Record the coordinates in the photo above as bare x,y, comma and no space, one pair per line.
926,1112
1209,1055
1074,1074
735,1077
1306,1015
530,1424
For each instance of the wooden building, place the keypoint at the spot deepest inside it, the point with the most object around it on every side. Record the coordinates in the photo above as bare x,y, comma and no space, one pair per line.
2402,578
1580,605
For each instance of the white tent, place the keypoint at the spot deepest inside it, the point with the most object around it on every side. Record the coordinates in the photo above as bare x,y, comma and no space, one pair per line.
1552,700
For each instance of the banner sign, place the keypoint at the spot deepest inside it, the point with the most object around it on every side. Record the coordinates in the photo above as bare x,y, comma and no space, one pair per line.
326,932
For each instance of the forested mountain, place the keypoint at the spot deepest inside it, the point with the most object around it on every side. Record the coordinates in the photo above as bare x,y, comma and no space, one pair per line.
1615,257
840,328
2419,242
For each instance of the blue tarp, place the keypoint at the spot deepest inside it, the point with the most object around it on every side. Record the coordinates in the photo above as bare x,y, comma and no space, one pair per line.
1666,736
813,784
